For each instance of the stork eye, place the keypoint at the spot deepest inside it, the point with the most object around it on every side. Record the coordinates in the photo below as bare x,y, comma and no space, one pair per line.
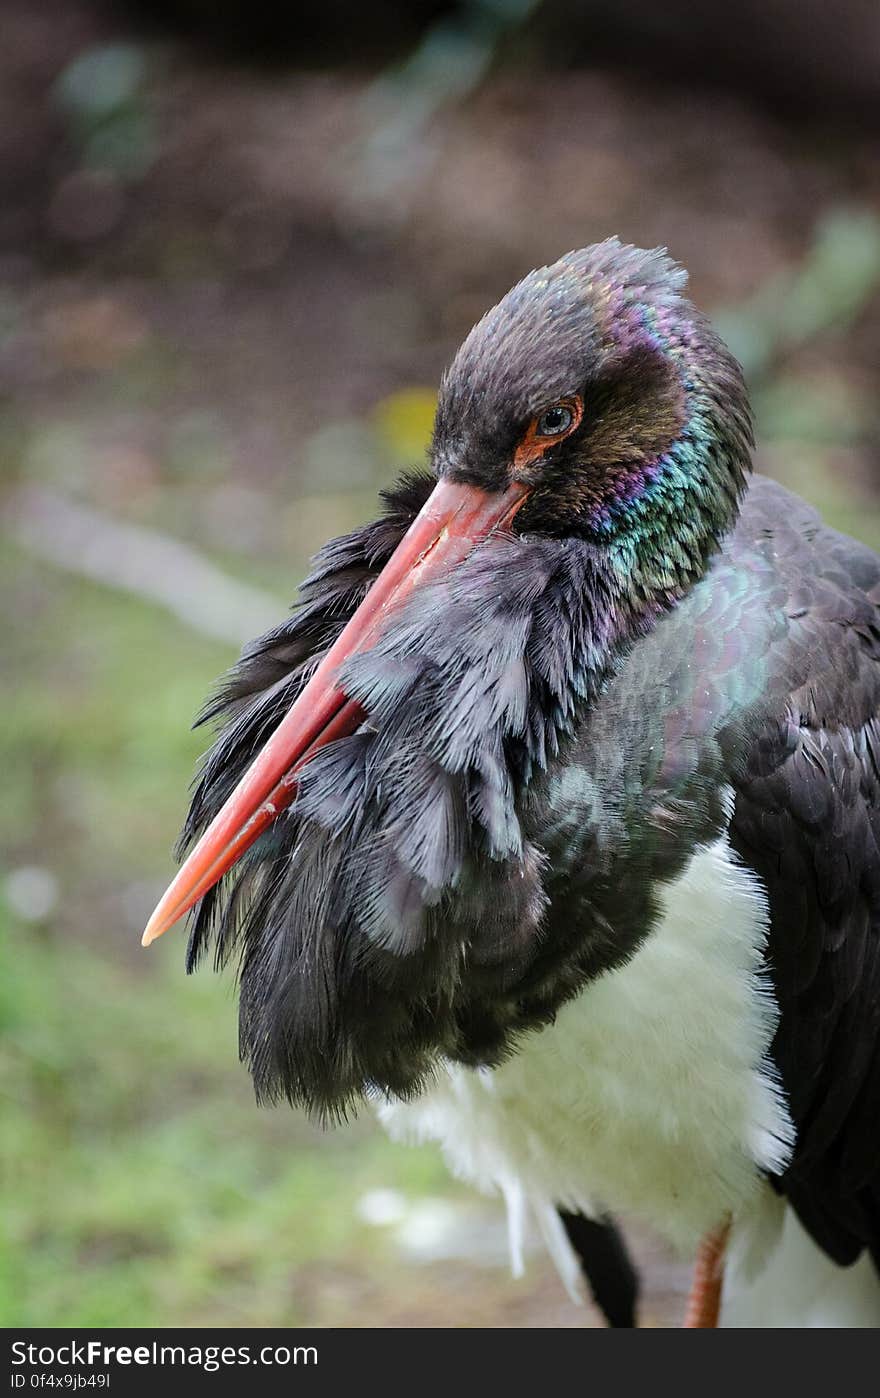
554,421
546,428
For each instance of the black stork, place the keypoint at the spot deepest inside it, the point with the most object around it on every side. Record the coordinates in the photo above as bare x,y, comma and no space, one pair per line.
550,820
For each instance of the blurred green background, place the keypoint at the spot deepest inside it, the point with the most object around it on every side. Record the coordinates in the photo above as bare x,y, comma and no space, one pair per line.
233,262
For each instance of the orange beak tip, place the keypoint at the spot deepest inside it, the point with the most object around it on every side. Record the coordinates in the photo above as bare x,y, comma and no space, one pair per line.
154,929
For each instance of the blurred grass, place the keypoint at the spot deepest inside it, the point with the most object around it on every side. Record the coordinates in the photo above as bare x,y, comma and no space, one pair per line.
146,1187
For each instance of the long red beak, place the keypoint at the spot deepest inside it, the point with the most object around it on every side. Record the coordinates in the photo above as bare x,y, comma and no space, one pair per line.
453,520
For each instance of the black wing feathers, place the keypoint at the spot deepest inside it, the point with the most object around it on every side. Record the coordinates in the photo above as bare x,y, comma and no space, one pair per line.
807,819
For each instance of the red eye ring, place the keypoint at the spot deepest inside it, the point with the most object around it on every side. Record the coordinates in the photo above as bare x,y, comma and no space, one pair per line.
537,439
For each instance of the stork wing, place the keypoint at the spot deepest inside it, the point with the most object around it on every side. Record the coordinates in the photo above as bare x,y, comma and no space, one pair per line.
807,820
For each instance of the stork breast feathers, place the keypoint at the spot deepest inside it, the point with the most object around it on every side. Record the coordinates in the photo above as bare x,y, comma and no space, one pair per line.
390,913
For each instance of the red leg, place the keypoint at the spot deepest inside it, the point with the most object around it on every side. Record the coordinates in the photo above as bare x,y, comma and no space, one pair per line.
704,1302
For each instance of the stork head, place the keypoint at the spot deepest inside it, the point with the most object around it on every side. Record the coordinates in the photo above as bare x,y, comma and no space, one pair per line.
597,388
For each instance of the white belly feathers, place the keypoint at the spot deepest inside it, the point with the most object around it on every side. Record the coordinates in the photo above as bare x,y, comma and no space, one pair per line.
652,1093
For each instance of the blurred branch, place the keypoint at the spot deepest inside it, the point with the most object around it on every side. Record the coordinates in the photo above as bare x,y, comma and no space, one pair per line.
826,292
129,558
449,63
